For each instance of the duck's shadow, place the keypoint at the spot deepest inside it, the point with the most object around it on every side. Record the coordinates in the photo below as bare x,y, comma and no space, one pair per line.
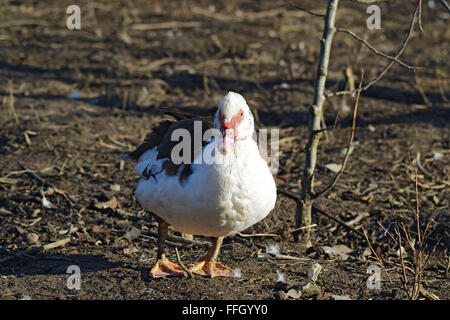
56,264
67,264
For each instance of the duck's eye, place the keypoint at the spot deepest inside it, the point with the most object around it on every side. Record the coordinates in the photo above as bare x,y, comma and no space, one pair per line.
241,114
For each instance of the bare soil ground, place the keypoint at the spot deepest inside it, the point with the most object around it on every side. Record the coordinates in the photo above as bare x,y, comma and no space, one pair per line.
73,101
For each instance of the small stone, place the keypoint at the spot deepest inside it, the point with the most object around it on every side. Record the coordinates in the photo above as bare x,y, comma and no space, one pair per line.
314,271
130,250
132,234
125,37
283,295
284,85
309,290
273,249
75,95
293,293
32,237
115,187
345,109
401,250
437,155
367,252
280,277
46,203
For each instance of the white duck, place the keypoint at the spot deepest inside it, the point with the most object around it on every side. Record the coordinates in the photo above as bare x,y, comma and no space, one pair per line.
217,199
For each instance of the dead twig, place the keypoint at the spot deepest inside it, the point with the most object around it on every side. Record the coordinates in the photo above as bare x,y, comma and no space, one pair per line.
349,147
342,223
294,197
189,273
246,15
374,50
446,6
306,10
167,25
11,105
420,16
303,228
179,239
429,295
421,168
422,93
389,65
33,175
380,261
244,235
288,194
34,250
416,246
288,257
168,243
20,23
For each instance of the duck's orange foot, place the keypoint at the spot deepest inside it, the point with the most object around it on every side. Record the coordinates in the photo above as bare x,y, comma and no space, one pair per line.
211,269
164,268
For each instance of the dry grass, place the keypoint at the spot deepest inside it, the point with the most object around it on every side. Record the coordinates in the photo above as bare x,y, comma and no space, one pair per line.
410,272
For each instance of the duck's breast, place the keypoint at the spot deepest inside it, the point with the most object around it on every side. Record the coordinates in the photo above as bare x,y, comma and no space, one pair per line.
215,199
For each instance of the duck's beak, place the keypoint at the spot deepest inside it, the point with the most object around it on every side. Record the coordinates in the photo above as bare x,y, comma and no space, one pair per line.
228,139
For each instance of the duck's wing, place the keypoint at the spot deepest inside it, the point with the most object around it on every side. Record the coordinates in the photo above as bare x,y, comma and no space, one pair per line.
154,154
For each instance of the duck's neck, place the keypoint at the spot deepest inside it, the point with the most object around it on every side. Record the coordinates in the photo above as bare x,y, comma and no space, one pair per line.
243,149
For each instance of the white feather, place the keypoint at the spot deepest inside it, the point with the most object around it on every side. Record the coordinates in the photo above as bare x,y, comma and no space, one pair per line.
217,199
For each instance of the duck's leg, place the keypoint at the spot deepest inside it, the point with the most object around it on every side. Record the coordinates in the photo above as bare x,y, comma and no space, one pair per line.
163,267
208,266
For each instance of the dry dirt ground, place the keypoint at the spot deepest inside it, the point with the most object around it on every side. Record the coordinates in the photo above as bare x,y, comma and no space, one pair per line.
73,101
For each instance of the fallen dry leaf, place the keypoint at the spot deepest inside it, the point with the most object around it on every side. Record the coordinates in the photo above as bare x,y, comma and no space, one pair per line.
333,167
32,237
107,204
130,250
20,230
339,250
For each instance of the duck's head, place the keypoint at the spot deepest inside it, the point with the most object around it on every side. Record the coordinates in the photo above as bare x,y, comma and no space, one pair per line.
234,120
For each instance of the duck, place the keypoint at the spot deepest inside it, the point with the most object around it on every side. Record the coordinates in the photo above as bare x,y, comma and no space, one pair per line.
203,176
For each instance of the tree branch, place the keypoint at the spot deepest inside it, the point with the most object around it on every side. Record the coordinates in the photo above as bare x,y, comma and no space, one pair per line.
445,4
303,214
350,143
374,50
386,69
306,10
342,223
